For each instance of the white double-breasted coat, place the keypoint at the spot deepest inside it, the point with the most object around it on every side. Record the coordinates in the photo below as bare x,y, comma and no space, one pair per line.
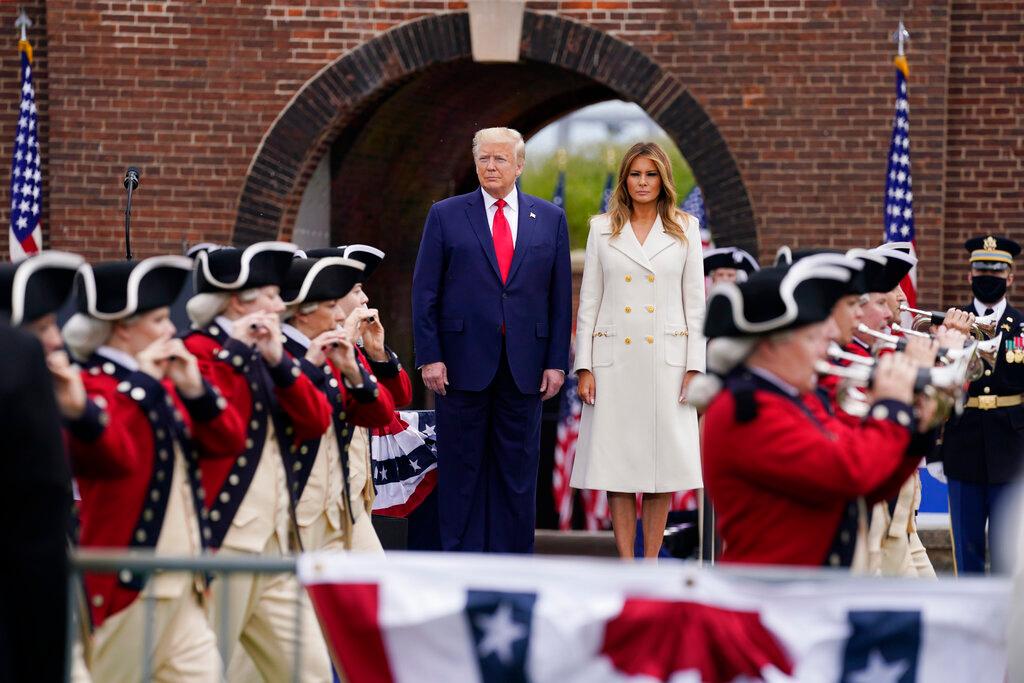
639,329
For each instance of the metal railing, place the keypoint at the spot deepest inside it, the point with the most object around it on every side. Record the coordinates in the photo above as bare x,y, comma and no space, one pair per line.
148,564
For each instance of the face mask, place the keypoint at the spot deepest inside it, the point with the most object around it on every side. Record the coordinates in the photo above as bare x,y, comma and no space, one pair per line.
989,289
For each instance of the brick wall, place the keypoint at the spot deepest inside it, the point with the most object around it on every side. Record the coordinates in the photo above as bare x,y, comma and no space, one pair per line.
800,93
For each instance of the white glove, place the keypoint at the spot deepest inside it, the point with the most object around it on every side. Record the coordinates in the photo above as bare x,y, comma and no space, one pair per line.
938,473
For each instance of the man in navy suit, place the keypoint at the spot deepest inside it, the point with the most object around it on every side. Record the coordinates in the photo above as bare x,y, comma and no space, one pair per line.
492,308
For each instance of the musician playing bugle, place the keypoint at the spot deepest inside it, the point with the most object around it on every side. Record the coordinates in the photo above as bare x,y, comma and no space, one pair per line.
783,474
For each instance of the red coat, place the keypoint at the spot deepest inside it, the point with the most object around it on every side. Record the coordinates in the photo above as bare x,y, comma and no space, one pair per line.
294,403
781,482
119,447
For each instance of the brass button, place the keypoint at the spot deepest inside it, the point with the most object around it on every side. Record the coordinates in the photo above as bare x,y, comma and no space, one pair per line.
650,309
628,340
629,309
650,278
986,390
650,339
988,373
629,278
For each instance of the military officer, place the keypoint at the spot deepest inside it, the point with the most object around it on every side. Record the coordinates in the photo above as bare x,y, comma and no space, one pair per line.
983,449
237,337
135,451
784,475
728,264
314,333
363,325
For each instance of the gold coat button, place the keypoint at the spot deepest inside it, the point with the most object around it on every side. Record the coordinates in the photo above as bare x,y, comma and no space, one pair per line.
629,278
986,390
650,309
988,373
629,309
628,340
650,278
650,339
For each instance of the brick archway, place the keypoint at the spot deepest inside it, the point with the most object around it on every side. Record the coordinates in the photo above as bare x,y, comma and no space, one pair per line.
588,65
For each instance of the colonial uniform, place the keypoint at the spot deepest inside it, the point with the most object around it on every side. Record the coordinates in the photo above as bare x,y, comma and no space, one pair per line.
136,453
784,476
983,449
323,505
37,497
393,383
277,408
729,258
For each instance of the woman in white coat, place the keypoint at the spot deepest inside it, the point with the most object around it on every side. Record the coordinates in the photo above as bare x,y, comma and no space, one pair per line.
639,343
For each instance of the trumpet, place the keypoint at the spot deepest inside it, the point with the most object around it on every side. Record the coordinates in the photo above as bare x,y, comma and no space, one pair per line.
983,328
836,352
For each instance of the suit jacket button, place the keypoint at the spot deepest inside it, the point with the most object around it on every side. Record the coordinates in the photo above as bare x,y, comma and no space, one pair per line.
650,340
504,295
629,278
629,309
650,278
628,340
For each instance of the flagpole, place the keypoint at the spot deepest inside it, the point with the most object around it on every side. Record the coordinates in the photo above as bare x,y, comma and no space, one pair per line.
23,22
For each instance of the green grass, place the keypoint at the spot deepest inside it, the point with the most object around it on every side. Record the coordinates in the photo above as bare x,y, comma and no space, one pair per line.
586,169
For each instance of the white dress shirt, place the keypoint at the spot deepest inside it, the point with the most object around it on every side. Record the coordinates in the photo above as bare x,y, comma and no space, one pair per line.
511,212
999,308
298,337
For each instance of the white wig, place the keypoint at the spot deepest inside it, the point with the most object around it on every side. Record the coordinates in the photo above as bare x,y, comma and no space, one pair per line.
500,135
84,334
203,308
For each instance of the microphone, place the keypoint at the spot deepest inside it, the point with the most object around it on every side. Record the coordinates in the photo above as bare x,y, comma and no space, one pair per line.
131,177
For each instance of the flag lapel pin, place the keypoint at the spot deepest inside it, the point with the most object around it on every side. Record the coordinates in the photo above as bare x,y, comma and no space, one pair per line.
533,215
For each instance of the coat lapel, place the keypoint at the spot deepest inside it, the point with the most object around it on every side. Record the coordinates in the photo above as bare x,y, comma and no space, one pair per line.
525,232
658,240
476,213
627,244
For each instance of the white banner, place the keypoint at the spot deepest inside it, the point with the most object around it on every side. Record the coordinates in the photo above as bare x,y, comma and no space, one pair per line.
417,617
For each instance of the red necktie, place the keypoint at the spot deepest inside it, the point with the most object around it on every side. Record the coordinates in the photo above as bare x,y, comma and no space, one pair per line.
502,234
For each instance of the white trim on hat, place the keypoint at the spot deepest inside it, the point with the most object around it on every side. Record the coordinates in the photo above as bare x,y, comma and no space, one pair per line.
784,253
320,264
27,268
365,248
141,269
818,266
897,253
203,261
867,255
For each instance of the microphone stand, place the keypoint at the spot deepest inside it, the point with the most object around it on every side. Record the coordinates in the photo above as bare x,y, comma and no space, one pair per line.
131,181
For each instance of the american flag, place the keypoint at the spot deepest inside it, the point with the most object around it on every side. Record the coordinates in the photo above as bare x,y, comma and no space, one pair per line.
26,168
899,195
565,450
606,194
558,198
694,205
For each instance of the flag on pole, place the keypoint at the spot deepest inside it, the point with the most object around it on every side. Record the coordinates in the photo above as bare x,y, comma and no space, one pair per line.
694,205
606,194
899,195
558,198
566,434
26,167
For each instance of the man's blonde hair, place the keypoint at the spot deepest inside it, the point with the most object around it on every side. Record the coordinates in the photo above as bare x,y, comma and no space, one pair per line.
500,135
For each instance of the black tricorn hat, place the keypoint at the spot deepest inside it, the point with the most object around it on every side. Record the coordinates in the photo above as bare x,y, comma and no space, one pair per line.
992,252
231,269
897,263
115,290
371,257
37,286
320,279
779,298
729,257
